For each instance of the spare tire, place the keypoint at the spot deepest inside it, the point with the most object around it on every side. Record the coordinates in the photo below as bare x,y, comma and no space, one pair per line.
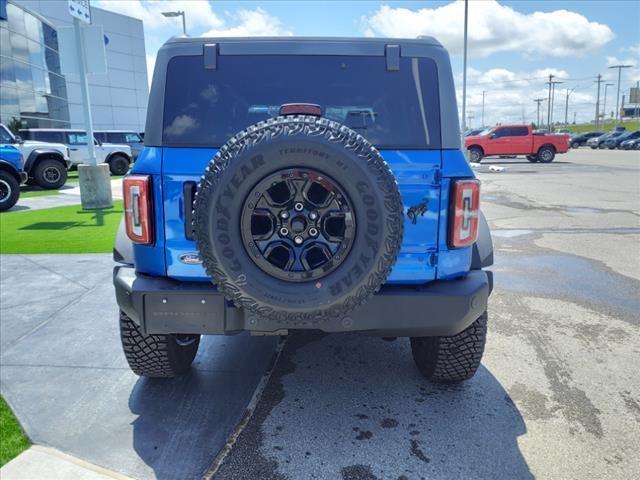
298,219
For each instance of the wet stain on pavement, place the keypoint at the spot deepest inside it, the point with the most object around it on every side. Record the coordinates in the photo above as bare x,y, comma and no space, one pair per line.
534,403
357,472
582,281
416,451
389,423
632,405
573,402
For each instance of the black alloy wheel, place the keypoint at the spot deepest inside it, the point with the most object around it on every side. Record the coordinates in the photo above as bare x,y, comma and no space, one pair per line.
298,224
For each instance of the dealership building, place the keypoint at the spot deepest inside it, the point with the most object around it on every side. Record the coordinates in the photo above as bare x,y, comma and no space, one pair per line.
33,91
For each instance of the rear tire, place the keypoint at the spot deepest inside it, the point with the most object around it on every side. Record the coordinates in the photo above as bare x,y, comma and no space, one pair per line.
451,359
156,356
118,165
50,174
546,155
475,155
532,158
9,191
575,145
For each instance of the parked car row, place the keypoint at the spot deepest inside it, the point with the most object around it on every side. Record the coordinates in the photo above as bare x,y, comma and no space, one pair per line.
45,163
42,157
118,155
621,139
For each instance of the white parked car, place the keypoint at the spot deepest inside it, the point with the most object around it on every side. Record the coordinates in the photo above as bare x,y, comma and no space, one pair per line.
118,156
46,163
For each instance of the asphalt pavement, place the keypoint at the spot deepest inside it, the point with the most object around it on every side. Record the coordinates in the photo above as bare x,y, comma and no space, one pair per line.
558,394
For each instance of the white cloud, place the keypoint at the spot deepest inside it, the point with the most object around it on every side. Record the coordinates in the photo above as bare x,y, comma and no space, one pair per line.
251,23
493,28
198,13
201,20
509,96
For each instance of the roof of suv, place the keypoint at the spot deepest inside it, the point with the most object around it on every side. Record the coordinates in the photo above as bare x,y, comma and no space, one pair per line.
392,48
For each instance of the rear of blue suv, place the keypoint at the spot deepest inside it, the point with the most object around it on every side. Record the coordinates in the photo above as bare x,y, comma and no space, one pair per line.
292,184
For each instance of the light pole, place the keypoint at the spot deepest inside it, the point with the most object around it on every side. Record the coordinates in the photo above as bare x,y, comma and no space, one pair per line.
566,107
599,82
619,67
538,100
179,13
550,82
483,92
553,101
464,76
604,108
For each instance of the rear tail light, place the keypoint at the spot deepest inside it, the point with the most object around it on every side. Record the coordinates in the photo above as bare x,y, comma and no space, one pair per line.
138,212
465,208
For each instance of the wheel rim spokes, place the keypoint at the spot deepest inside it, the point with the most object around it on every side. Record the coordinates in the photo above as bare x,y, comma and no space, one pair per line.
297,224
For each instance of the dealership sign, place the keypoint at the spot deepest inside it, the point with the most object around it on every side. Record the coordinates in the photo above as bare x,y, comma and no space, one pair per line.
80,9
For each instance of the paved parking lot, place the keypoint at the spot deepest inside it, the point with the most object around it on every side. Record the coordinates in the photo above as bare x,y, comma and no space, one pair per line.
558,395
63,372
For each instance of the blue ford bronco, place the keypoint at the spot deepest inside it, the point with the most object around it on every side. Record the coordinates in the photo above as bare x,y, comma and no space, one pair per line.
303,183
12,175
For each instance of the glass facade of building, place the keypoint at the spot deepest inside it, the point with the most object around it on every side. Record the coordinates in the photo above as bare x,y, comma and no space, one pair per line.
32,89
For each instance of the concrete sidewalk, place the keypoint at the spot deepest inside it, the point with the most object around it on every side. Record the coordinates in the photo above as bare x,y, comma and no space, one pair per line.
45,463
65,197
64,375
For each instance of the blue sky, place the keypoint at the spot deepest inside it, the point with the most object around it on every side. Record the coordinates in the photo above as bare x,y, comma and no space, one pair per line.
513,44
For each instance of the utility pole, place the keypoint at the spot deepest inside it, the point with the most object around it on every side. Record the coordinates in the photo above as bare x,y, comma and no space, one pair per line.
549,103
464,75
619,67
599,81
538,101
553,100
566,106
483,92
574,118
604,108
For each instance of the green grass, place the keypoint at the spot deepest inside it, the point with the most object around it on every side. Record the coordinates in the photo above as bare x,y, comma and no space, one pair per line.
60,230
590,127
12,439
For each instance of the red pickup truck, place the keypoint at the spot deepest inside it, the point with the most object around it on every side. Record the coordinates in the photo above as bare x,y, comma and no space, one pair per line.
516,140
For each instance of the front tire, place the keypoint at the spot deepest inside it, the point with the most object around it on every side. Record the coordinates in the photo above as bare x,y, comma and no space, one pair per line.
451,359
156,356
50,174
9,191
475,155
532,158
546,155
575,145
118,165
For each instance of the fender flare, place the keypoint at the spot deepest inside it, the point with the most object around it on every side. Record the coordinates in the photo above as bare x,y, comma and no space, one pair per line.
482,250
123,248
33,157
9,167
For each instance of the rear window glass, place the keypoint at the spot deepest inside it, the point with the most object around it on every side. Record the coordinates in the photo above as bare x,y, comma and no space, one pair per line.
392,109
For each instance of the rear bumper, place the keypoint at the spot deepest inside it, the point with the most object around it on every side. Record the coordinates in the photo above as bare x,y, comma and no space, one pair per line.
162,305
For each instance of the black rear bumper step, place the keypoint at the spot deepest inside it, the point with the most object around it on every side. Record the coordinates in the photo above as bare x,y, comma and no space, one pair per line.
162,305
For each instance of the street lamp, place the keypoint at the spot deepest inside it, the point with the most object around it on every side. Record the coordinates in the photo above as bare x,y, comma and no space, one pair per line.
179,13
619,67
